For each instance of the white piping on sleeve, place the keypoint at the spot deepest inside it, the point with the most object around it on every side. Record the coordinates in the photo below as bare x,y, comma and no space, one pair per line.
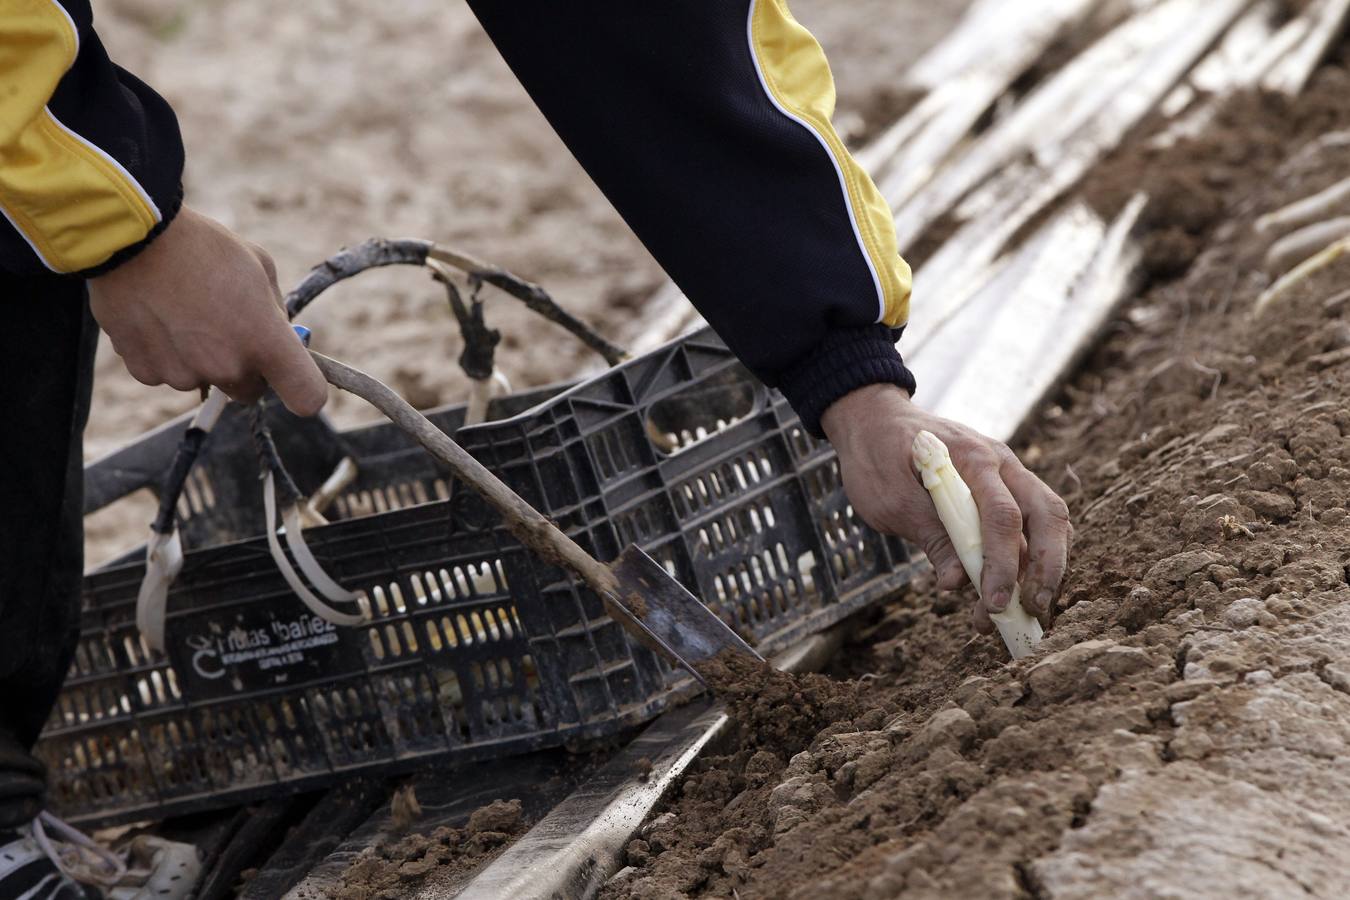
136,185
838,169
74,32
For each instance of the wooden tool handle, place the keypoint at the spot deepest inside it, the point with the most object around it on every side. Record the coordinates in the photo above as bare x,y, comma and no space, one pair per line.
525,522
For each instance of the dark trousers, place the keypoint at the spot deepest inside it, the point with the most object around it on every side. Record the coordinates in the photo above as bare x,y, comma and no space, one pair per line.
47,341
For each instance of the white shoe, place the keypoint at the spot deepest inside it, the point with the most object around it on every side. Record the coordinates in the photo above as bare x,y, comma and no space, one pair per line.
151,868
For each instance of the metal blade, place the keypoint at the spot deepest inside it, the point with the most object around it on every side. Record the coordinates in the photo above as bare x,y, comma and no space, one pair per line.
676,618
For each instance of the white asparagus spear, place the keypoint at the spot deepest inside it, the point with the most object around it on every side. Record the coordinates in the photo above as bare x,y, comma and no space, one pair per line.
961,517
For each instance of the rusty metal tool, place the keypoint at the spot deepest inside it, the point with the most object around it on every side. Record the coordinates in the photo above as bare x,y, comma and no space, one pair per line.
637,591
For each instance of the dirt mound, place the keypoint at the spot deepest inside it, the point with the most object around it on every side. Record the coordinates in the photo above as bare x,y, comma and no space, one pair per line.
393,870
1180,728
1190,183
777,711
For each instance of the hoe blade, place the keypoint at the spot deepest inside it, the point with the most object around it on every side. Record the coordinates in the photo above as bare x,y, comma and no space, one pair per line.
685,630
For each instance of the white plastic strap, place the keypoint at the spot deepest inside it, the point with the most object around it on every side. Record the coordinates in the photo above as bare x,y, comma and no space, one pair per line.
163,562
330,588
481,391
82,858
209,412
336,483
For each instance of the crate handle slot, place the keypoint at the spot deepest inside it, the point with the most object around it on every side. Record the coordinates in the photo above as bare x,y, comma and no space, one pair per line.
702,410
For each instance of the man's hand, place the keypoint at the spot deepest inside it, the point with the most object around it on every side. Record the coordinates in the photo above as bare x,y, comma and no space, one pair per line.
200,306
873,429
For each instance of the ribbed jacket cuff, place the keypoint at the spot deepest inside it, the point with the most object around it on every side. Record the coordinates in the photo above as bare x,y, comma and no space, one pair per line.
168,212
845,360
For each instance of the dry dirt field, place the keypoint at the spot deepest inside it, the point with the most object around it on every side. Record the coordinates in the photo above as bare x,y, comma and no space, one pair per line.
1182,730
314,125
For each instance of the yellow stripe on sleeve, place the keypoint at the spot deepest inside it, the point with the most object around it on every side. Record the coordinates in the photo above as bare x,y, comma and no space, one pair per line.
74,204
797,76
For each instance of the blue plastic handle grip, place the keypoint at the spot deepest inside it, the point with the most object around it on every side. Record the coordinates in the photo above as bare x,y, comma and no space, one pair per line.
303,333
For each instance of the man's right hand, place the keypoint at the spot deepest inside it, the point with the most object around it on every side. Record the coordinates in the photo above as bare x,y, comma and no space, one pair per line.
200,306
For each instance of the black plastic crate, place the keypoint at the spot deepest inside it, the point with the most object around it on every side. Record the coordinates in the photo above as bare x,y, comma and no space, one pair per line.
475,648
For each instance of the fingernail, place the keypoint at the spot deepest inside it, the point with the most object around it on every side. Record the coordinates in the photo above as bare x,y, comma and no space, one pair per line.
999,602
1044,599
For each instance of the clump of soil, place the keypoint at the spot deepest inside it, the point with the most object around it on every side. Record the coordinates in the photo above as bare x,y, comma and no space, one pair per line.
1191,183
777,711
1181,725
392,870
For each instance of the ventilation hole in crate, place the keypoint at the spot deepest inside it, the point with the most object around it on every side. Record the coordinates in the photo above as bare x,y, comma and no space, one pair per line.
449,633
419,593
409,637
363,604
505,620
445,585
448,693
281,757
801,441
433,637
288,715
133,652
442,589
396,595
381,604
391,641
110,701
757,572
157,682
485,579
767,559
490,620
461,583
806,564
740,476
375,646
441,489
466,634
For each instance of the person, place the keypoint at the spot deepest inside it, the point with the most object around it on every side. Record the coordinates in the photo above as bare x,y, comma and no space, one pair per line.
707,125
